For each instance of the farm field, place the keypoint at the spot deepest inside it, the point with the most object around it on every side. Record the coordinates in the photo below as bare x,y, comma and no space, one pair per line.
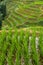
21,47
23,14
21,32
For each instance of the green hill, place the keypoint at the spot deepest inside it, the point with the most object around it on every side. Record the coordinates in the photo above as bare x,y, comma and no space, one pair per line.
23,13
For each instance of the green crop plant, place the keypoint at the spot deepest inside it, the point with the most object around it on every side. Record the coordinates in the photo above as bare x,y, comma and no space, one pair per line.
41,46
3,47
15,49
41,43
18,49
21,36
2,37
18,55
35,55
26,49
20,40
9,52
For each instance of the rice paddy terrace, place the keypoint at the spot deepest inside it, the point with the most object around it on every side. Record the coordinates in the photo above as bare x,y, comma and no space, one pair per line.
21,13
21,47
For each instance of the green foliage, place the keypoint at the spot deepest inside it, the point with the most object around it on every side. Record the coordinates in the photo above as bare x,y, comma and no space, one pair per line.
14,48
35,55
24,13
41,43
3,9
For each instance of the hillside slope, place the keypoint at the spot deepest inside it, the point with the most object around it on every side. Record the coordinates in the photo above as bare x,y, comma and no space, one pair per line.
21,13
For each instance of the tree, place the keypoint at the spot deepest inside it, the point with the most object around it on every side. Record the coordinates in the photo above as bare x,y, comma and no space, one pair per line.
2,12
3,8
